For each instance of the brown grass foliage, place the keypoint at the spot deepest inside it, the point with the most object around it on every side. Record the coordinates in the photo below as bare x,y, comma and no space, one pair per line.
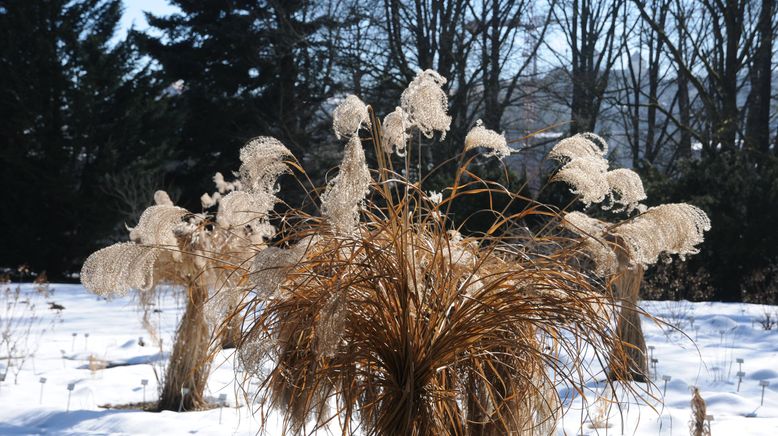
403,327
698,426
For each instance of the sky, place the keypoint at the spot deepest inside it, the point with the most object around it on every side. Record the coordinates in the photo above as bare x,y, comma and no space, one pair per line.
133,12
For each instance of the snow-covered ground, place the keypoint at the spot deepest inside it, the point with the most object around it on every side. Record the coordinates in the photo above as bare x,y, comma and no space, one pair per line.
724,333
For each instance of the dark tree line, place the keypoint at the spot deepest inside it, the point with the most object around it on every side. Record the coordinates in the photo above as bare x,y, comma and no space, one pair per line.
94,118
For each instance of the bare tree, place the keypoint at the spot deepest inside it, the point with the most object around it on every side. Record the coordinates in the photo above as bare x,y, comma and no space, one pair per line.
439,35
589,28
656,102
510,35
722,35
757,129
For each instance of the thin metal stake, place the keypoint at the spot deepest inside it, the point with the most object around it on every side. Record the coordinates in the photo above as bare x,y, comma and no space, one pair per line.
143,383
222,403
70,391
42,381
763,384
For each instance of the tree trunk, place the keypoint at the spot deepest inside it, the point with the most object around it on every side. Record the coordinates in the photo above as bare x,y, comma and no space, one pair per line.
628,362
757,136
190,363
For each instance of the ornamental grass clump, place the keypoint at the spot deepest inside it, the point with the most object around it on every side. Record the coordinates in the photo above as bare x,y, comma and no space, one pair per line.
379,317
205,254
621,251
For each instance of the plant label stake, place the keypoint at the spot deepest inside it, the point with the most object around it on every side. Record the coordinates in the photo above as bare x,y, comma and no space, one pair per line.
86,339
721,332
763,384
709,418
222,403
651,354
42,381
73,344
740,375
666,379
184,392
63,357
691,321
653,364
739,364
143,383
71,386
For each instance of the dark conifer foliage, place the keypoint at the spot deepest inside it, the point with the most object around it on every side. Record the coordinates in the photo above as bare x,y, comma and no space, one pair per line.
246,68
77,106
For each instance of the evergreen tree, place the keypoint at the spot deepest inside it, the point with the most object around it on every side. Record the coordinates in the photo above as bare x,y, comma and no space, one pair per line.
75,109
247,68
738,191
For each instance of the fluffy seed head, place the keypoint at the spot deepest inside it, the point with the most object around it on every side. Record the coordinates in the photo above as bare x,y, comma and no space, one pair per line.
114,270
675,228
426,103
626,188
579,145
395,131
262,162
479,136
224,186
156,227
162,199
341,201
239,208
586,176
208,201
349,117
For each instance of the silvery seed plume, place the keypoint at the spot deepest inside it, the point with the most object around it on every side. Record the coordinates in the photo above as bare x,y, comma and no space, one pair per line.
349,117
426,104
341,201
626,188
479,136
395,131
587,178
262,163
579,145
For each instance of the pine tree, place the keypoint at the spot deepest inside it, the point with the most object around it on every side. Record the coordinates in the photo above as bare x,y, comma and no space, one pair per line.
247,68
75,108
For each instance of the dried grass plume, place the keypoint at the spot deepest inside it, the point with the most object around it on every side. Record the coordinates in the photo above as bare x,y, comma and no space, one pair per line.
341,201
395,131
349,117
479,136
426,104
